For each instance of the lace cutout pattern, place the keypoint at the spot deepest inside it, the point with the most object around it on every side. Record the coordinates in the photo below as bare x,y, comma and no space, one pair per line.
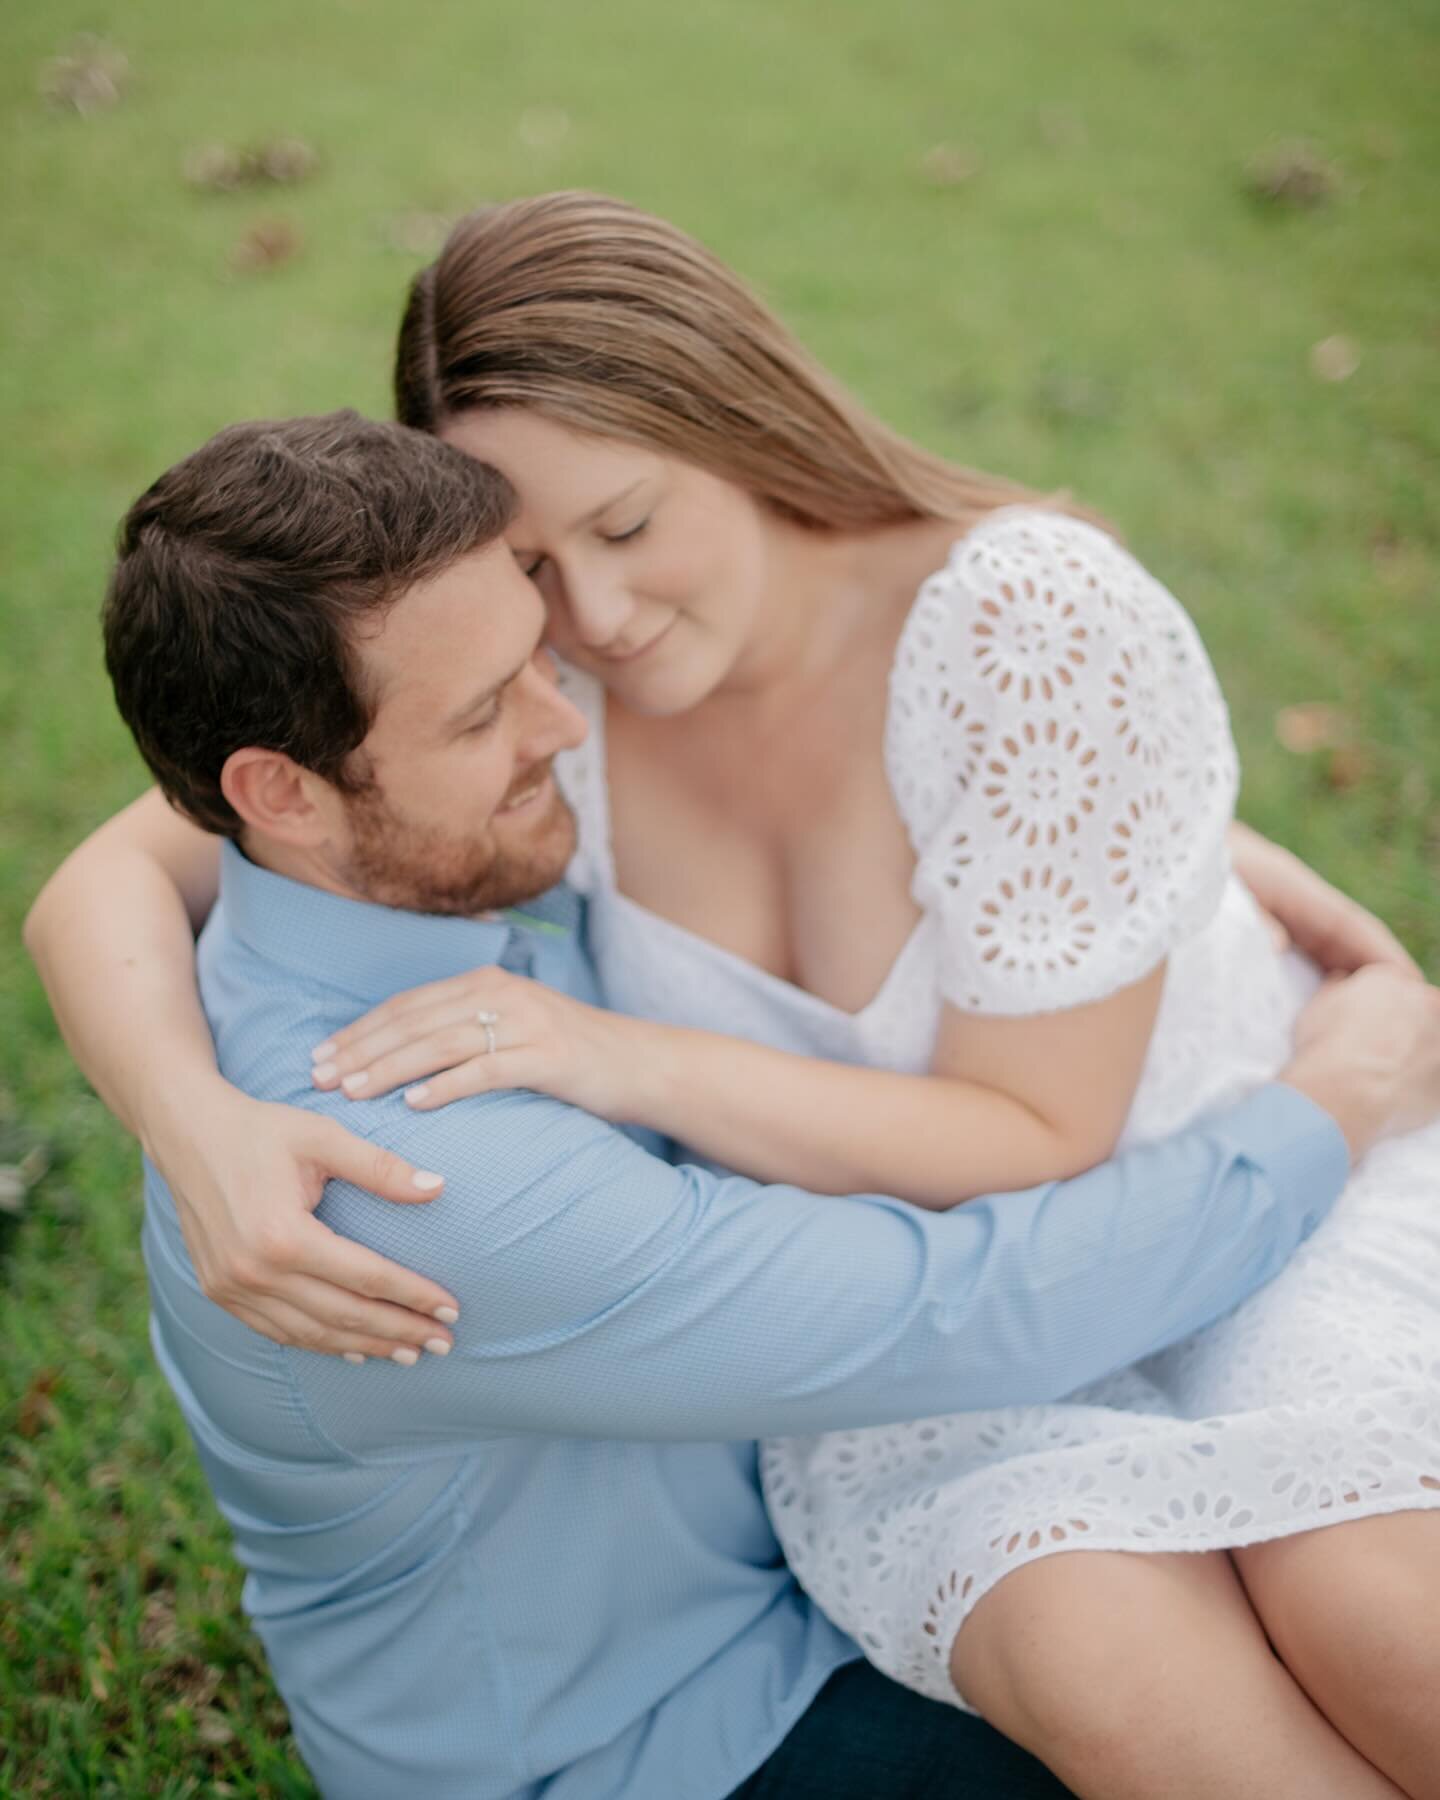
1061,757
1319,1398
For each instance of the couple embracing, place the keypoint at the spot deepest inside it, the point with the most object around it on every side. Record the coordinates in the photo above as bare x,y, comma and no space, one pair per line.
903,1253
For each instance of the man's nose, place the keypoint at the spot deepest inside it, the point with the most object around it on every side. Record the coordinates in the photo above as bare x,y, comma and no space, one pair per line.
552,722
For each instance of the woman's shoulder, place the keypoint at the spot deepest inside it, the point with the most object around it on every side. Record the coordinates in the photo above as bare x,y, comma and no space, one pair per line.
1041,627
1040,555
1031,604
1060,754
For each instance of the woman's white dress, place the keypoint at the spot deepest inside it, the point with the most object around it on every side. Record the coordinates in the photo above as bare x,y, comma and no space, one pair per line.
1061,756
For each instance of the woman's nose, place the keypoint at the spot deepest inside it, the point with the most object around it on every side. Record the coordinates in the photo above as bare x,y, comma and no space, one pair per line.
597,611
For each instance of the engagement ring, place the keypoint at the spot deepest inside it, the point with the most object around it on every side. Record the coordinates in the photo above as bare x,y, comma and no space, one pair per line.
489,1020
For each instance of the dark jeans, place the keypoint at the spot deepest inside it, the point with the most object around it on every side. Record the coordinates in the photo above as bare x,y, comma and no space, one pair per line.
867,1738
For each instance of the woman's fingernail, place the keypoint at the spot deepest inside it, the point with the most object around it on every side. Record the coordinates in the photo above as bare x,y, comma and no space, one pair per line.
356,1083
438,1346
322,1052
426,1182
447,1315
417,1093
405,1356
352,1356
323,1072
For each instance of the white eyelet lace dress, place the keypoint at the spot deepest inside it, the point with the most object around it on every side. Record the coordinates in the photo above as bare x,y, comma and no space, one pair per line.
1060,754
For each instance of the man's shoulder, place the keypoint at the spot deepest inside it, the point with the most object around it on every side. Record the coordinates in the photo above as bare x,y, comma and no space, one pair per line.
266,1020
504,1156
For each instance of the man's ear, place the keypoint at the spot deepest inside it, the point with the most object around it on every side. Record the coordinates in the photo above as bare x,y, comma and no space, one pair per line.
276,797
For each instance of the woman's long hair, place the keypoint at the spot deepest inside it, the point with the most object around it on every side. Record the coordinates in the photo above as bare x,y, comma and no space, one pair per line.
612,322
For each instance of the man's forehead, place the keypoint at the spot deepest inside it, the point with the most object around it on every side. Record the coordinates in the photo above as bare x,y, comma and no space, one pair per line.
477,620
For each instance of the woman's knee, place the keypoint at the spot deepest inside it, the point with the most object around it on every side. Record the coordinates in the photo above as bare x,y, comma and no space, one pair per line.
1066,1647
1354,1612
1354,1605
1116,1669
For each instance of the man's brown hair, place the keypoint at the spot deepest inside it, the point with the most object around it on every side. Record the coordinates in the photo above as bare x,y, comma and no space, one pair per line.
244,573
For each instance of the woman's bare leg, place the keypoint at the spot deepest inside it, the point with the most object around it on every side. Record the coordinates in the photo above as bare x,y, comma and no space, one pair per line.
1133,1676
1354,1611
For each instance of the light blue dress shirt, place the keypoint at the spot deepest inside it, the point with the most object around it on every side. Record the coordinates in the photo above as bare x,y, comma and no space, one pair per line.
542,1564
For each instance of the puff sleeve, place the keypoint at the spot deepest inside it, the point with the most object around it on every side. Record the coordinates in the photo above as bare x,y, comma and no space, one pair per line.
1061,755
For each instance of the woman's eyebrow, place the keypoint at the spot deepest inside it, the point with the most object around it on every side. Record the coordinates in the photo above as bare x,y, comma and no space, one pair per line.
605,505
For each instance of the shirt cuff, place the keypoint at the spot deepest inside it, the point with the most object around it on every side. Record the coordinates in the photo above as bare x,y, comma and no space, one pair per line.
1301,1147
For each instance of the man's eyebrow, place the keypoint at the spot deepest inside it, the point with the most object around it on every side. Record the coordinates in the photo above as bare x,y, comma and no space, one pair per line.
473,705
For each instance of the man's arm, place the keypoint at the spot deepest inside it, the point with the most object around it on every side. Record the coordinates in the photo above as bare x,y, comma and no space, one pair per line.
606,1294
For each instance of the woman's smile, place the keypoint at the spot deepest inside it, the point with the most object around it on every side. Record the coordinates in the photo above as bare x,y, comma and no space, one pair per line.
630,656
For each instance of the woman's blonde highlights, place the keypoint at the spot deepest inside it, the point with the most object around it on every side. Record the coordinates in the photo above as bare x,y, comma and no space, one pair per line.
610,321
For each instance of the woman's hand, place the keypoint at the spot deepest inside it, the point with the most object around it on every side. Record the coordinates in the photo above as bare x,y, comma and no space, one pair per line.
1333,930
246,1177
438,1039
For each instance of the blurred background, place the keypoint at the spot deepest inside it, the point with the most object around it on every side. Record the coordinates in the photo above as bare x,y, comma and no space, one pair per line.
1181,261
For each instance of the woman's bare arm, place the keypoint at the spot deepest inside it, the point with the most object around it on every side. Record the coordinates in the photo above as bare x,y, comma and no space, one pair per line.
112,934
1332,929
1008,1103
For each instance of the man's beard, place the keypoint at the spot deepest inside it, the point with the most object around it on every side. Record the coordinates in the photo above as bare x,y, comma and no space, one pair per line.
423,868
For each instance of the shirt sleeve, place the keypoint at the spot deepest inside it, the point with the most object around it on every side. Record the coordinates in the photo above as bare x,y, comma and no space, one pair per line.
605,1293
1062,758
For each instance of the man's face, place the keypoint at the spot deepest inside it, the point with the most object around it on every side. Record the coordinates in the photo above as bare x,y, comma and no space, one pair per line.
461,812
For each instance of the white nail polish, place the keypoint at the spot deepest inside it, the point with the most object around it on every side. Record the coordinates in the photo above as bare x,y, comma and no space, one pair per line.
416,1093
438,1346
325,1071
356,1083
352,1356
426,1182
405,1356
447,1315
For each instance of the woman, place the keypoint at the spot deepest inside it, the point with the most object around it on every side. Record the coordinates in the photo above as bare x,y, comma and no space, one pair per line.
734,549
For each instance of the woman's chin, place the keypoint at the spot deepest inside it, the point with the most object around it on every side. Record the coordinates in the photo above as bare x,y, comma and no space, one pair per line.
661,692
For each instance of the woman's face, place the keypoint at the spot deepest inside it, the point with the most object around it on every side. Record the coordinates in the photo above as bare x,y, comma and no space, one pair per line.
652,570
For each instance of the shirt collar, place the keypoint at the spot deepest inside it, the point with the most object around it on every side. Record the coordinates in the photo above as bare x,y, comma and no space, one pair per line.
373,951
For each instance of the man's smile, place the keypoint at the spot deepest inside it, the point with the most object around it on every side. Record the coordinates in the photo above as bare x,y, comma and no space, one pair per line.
535,790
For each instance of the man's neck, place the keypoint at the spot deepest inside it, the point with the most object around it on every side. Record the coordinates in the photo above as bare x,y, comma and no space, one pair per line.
296,863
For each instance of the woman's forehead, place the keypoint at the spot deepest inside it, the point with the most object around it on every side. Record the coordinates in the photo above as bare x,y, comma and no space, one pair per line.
561,475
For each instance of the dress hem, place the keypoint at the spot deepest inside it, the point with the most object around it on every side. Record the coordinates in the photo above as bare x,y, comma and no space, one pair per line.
946,1692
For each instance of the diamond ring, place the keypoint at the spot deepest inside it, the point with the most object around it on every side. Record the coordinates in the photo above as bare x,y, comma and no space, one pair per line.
489,1020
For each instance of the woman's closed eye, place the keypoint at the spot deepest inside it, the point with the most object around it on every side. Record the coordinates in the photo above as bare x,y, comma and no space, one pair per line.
531,566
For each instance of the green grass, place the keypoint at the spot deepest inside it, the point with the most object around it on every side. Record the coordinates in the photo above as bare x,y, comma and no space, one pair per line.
1101,304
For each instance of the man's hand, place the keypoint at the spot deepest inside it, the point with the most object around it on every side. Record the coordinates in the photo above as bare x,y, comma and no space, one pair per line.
1367,1049
1333,930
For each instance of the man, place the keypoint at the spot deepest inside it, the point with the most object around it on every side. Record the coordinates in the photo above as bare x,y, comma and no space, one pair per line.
542,1562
